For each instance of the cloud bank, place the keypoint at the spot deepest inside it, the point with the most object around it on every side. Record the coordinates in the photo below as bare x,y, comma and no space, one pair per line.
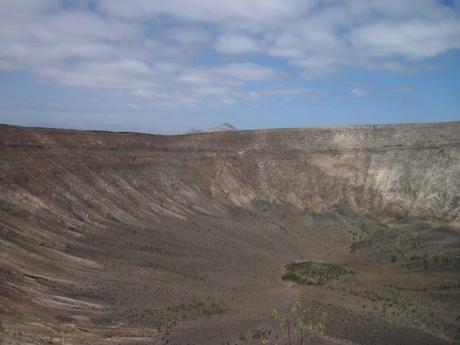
192,52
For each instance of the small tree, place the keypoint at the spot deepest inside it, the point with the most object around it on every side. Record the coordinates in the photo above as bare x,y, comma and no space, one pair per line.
2,333
297,325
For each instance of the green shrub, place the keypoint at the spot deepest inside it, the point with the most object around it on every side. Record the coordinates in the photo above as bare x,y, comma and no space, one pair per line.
2,333
312,273
299,324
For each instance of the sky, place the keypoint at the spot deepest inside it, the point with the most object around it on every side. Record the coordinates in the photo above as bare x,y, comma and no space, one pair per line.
165,66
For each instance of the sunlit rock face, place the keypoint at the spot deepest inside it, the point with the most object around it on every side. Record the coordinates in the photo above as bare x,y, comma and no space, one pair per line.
141,238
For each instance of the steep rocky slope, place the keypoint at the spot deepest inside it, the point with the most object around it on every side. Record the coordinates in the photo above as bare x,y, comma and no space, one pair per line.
132,238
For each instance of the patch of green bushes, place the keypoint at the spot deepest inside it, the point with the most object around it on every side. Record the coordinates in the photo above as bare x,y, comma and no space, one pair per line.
312,273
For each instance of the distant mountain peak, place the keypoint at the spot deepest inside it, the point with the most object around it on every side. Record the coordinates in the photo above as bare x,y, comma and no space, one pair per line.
193,131
224,127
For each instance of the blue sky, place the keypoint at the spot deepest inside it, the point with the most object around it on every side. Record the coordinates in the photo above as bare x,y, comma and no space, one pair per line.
167,66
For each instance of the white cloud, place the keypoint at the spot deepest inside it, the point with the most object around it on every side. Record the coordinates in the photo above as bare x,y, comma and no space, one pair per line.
197,51
236,44
33,39
126,74
287,93
25,7
253,15
247,72
367,34
356,92
416,39
165,83
188,35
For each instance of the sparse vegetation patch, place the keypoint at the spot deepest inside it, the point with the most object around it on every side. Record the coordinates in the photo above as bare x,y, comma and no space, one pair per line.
2,333
312,273
206,309
298,325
